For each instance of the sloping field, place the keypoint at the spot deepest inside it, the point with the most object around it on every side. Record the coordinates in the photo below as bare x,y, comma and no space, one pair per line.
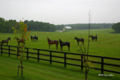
108,44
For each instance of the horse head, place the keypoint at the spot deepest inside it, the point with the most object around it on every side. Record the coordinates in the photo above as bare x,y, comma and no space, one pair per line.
60,40
90,35
75,38
9,38
48,39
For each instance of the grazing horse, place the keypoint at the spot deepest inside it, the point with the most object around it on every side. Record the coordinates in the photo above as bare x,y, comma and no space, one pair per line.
64,44
79,39
5,41
52,42
34,37
19,40
93,37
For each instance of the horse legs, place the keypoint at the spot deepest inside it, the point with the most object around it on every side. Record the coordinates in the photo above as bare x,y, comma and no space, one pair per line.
78,42
68,47
56,46
49,46
61,47
18,43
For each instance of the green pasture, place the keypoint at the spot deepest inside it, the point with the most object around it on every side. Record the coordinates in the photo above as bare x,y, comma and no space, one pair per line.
108,44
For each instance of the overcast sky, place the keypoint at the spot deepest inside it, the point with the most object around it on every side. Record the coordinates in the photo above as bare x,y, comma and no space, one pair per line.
61,11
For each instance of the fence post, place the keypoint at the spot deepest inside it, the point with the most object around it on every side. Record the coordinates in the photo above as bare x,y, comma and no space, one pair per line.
17,52
1,49
50,57
64,59
81,62
102,65
9,51
27,53
38,55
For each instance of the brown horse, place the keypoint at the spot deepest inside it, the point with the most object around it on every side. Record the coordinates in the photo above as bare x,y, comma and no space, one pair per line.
79,39
93,37
5,41
20,40
52,42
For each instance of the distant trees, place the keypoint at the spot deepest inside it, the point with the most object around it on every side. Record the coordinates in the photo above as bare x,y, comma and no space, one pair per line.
6,26
40,26
85,26
116,27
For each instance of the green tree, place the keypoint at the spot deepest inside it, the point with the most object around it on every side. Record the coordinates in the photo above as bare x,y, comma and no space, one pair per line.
116,27
22,30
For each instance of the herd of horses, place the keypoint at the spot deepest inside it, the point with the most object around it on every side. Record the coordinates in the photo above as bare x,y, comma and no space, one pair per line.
50,42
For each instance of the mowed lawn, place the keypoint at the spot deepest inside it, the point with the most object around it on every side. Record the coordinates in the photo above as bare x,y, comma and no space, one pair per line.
108,44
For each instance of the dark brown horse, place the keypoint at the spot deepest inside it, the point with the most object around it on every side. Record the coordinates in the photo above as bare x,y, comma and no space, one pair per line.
64,44
34,37
52,42
20,40
5,41
79,40
93,37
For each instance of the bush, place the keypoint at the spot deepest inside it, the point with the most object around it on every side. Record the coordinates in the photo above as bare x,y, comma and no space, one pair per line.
116,27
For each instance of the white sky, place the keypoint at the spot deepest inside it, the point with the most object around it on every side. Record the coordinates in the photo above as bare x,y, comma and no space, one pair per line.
61,11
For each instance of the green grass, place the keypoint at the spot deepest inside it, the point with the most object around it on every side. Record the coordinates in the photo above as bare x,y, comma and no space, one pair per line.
108,45
40,71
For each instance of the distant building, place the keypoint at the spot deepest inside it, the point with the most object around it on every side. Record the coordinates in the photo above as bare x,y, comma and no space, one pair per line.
67,27
61,31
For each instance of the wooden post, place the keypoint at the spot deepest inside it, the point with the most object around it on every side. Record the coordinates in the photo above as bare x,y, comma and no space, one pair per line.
27,53
50,57
9,51
18,70
1,49
38,55
81,62
102,65
17,52
64,59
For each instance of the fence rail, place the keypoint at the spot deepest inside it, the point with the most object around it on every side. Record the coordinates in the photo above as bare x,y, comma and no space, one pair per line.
102,63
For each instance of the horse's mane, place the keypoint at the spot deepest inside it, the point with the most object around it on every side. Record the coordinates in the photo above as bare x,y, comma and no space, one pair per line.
48,39
60,40
76,38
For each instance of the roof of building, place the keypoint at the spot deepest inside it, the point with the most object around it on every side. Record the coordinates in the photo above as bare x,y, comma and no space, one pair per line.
68,27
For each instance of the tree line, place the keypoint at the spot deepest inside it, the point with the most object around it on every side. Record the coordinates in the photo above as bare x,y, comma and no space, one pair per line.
116,27
6,26
85,26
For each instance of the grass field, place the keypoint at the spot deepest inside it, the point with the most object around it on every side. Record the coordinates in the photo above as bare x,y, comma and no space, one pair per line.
108,44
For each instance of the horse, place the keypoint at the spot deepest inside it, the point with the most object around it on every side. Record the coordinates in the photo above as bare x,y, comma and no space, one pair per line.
79,39
34,37
52,42
5,41
64,44
19,40
93,37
